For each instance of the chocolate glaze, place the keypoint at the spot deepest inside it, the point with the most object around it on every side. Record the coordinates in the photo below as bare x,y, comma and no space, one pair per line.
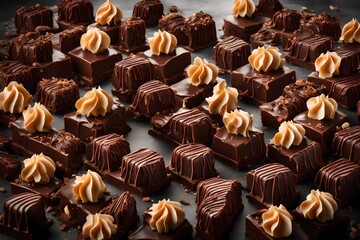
149,10
27,18
74,13
10,167
175,24
346,143
272,184
286,20
68,39
341,178
269,7
132,35
324,24
350,58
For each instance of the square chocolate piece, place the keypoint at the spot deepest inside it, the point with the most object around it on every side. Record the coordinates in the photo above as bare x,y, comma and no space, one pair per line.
175,24
68,39
349,54
132,36
344,89
10,167
88,128
152,97
27,18
269,7
239,151
57,94
141,172
243,27
259,87
150,11
322,131
341,179
129,74
272,184
303,160
183,126
192,163
73,13
231,53
324,24
111,30
94,68
168,68
346,143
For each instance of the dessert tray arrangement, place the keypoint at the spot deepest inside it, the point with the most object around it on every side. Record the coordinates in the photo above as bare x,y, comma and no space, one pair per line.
164,120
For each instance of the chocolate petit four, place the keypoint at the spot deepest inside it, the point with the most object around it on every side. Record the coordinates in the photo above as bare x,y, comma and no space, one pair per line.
273,223
132,35
10,167
94,60
105,153
175,24
57,94
192,163
97,115
321,121
37,176
290,148
244,20
238,143
318,221
27,18
231,53
346,143
164,220
24,217
272,184
341,179
262,80
192,91
218,203
168,61
73,13
152,97
324,24
18,72
269,7
68,39
129,74
149,10
141,172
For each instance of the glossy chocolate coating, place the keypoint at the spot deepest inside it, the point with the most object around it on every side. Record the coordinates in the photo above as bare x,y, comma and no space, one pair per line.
272,184
73,13
350,58
218,203
269,7
286,20
57,94
341,179
324,24
27,18
150,11
68,39
10,167
132,35
175,24
265,36
346,143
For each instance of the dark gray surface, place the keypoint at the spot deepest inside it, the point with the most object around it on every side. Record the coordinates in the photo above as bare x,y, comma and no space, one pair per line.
139,138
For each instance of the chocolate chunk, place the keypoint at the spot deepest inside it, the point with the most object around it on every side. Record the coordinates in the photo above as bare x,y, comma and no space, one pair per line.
2,190
175,24
269,7
10,167
132,35
72,13
150,11
185,202
346,143
27,18
68,39
324,24
146,199
286,20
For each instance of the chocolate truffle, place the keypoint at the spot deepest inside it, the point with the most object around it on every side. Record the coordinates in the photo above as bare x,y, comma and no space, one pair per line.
27,18
218,203
141,172
192,163
346,143
73,13
10,167
18,72
150,11
324,24
272,184
269,7
132,35
68,39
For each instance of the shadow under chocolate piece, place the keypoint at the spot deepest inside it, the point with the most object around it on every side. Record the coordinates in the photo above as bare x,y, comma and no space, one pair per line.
27,18
10,167
68,39
57,94
152,97
104,154
141,172
73,13
183,126
324,24
132,36
346,143
341,178
16,71
24,217
150,11
272,184
192,163
218,203
239,151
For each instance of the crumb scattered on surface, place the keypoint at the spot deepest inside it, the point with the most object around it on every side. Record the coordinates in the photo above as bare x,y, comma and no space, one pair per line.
64,226
187,190
2,189
146,199
334,8
185,202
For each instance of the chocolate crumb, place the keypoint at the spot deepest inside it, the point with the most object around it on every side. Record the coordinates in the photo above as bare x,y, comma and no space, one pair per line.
334,8
64,226
53,213
49,209
2,189
173,9
185,202
187,190
146,199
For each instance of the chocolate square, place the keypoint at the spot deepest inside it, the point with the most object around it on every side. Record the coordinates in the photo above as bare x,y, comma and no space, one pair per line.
73,13
259,87
349,54
175,24
272,184
111,30
346,143
269,7
129,74
27,18
94,68
239,151
132,35
321,131
168,68
324,24
142,172
303,160
231,53
150,11
68,39
341,179
10,167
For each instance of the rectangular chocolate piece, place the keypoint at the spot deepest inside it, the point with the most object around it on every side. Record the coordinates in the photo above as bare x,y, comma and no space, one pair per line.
16,71
68,39
10,167
73,13
27,18
346,143
132,35
150,11
175,24
349,54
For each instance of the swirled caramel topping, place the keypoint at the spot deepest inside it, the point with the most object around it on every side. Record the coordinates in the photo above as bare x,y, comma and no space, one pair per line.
321,107
108,14
14,98
202,72
162,42
224,99
94,103
319,205
277,222
242,8
266,59
37,119
89,187
38,168
238,122
351,32
95,40
289,134
99,227
328,64
166,215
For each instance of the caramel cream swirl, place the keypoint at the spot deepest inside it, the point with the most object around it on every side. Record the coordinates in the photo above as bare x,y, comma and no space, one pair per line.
202,72
89,187
328,64
238,122
266,59
14,98
162,42
289,134
108,14
38,168
351,32
37,119
99,227
94,103
321,107
277,222
242,8
224,99
95,40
